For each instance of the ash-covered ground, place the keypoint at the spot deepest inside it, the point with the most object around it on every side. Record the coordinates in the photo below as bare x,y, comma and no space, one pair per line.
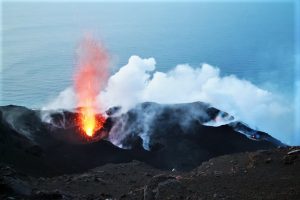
153,151
267,174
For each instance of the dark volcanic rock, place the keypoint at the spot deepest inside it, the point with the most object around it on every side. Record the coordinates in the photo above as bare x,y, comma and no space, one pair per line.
39,149
178,137
235,176
164,136
161,186
13,182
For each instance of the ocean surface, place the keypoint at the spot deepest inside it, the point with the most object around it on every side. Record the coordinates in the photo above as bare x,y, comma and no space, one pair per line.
254,41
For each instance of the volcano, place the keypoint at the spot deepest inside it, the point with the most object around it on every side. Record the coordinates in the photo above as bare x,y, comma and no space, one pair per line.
152,151
165,136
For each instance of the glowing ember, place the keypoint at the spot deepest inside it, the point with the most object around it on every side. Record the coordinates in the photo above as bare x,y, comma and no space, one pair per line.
89,79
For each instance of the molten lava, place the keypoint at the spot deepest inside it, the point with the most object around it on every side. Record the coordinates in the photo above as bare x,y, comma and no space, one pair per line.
90,77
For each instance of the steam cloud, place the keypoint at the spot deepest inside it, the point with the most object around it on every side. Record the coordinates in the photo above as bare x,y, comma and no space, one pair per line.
138,81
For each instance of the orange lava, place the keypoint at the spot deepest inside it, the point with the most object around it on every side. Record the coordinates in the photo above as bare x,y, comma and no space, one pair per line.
89,79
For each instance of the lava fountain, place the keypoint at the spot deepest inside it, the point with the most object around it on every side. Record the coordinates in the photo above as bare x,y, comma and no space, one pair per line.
90,77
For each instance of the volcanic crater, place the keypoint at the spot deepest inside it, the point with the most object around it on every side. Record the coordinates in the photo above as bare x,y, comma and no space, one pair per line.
151,151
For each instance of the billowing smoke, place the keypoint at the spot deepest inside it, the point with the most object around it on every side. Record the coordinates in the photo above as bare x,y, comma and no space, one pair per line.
139,81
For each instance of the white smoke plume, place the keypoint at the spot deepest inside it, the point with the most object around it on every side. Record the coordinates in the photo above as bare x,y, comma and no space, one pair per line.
139,81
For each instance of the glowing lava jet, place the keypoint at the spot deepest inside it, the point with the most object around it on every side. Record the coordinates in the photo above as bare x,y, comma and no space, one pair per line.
89,79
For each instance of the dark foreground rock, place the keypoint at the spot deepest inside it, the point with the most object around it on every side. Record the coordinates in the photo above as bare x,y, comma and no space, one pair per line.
263,174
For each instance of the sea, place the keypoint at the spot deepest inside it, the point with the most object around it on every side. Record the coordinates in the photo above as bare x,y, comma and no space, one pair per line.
252,40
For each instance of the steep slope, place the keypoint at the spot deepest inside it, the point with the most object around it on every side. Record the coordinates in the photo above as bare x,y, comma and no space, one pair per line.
165,136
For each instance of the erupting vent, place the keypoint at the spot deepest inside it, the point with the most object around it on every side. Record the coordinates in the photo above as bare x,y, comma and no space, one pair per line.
90,77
